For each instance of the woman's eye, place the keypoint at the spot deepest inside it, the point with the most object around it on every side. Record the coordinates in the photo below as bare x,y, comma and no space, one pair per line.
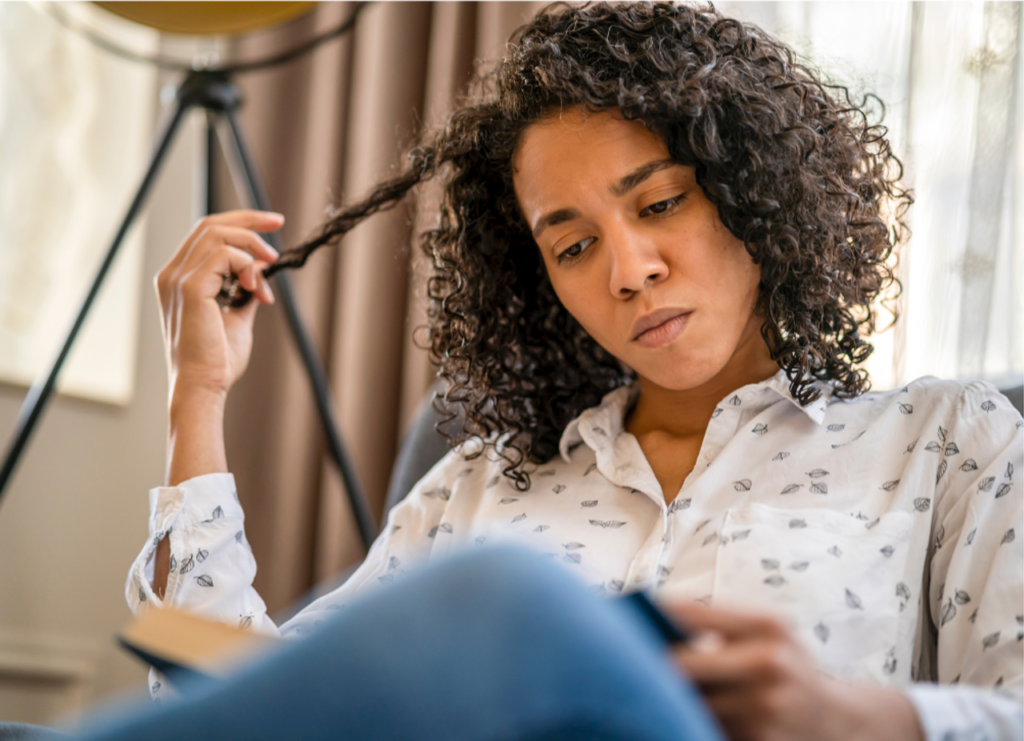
573,252
661,207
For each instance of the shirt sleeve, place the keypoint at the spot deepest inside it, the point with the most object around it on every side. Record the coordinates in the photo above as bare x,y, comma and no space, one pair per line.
975,654
211,564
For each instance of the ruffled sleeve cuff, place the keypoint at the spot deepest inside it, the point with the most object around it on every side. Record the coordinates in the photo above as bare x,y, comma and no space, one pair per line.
966,712
197,501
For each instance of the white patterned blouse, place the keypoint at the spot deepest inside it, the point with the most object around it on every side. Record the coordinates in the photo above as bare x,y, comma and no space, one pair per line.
885,530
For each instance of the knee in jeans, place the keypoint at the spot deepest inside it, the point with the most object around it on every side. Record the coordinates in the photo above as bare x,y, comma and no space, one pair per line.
515,578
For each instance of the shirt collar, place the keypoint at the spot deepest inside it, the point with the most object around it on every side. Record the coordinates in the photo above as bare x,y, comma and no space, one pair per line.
603,423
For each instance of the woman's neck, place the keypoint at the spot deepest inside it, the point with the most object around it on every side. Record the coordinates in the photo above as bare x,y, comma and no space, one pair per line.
686,413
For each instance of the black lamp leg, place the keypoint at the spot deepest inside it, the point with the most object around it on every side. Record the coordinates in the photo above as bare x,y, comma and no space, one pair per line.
38,395
310,359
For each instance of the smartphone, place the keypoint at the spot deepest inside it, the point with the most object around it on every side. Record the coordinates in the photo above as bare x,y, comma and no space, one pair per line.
673,633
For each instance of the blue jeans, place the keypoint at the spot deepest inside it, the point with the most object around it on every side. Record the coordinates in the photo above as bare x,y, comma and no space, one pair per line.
493,644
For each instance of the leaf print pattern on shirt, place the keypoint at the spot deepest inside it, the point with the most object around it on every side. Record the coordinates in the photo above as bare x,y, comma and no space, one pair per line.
1008,537
204,581
875,484
989,641
607,523
519,518
741,485
905,408
853,601
589,503
677,505
443,529
948,613
890,662
217,514
821,632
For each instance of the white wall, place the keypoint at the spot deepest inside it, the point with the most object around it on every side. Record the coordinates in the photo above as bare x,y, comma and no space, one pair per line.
74,516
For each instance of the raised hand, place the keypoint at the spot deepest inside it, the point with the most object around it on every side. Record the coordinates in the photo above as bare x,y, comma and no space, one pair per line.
208,348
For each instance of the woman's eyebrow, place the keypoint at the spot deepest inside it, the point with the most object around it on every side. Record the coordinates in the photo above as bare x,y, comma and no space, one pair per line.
554,218
625,184
633,179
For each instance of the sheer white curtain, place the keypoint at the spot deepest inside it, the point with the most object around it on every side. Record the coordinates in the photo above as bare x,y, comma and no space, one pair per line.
950,75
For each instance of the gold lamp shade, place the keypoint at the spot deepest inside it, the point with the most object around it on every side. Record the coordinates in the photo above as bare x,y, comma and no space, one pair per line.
208,18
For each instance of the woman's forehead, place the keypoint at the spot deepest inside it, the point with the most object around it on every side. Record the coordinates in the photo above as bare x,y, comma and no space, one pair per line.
581,149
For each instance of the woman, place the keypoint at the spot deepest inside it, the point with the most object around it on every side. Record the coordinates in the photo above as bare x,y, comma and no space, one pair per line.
655,260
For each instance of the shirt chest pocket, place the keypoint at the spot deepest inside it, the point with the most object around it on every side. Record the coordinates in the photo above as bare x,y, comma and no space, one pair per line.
835,580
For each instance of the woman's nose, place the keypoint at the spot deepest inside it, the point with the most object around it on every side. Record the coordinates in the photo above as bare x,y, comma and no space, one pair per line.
636,265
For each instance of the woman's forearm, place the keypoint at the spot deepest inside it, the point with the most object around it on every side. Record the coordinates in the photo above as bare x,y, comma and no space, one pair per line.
195,436
195,446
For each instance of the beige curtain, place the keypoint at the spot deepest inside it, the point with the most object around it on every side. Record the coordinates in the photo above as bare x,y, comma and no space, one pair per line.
324,128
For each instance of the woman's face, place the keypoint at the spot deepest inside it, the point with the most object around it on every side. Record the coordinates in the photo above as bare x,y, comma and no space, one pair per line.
635,251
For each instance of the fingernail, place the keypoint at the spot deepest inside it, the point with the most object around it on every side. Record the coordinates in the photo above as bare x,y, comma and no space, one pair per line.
275,214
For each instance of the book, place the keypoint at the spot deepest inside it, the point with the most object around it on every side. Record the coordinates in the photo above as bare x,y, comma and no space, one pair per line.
183,644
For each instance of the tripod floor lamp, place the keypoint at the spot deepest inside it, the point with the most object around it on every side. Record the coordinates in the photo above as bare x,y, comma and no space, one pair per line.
210,90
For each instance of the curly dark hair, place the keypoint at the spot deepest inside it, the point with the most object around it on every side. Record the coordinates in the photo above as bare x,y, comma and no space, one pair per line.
796,170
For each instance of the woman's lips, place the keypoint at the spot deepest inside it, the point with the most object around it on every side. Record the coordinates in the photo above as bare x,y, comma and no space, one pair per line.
664,333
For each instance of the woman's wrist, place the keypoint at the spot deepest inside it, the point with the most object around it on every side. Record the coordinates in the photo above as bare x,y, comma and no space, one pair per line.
195,440
877,714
